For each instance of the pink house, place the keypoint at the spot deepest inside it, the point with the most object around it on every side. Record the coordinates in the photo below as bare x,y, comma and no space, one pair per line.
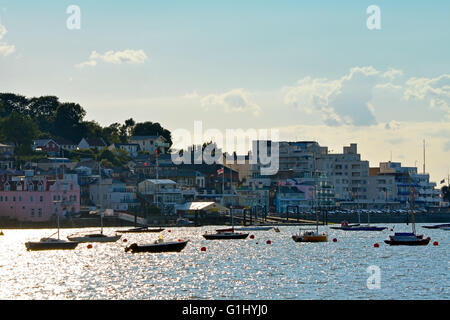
32,198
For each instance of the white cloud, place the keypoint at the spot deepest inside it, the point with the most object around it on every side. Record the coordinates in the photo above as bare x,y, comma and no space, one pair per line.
344,101
193,95
391,74
5,48
236,100
436,91
115,57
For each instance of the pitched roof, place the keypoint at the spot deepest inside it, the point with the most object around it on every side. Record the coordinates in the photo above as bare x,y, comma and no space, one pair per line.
95,142
146,138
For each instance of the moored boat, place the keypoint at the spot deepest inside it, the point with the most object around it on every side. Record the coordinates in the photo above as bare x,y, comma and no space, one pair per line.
438,226
360,228
254,228
50,244
306,235
94,237
225,235
141,230
158,246
407,239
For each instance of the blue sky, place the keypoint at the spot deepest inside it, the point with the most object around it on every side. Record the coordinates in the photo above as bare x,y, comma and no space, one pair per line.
247,64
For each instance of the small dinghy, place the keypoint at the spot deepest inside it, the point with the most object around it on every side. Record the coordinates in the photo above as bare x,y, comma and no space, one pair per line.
158,246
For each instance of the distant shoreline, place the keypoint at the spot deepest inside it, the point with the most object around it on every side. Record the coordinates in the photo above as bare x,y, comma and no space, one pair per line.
436,217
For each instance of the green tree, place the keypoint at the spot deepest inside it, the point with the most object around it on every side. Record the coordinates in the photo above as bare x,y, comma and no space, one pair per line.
42,110
68,122
20,131
13,103
149,128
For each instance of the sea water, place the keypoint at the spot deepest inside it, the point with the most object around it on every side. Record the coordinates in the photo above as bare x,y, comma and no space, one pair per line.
350,268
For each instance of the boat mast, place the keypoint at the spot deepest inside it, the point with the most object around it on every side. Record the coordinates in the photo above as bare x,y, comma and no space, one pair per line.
411,198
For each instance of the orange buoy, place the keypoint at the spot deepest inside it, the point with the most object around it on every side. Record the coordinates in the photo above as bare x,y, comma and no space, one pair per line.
89,246
203,249
252,236
180,240
169,231
257,243
376,245
124,240
435,243
334,240
268,242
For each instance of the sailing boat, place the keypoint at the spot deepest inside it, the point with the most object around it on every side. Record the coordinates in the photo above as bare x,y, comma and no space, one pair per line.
408,238
226,234
311,234
95,237
52,243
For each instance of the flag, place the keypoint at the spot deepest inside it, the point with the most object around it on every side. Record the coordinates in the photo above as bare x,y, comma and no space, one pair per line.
220,171
442,181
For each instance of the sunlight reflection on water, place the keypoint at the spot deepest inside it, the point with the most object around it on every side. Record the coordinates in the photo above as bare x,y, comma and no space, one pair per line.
233,269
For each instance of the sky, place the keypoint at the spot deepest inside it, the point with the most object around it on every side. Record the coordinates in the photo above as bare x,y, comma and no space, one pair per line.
312,70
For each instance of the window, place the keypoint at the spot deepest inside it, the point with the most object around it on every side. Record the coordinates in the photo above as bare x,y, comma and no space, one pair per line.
39,212
32,212
41,198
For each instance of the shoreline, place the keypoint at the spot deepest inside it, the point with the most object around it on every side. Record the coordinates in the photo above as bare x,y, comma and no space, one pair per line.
75,223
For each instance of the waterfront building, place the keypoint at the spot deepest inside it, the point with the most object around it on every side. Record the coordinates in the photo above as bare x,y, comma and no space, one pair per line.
113,194
425,192
164,193
6,156
37,198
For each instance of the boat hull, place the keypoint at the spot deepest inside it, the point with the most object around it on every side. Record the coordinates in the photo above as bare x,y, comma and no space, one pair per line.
418,242
254,229
95,239
318,238
225,236
438,226
140,230
37,246
359,228
157,247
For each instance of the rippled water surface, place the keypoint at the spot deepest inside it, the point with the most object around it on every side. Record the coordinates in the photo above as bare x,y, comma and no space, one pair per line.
231,269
